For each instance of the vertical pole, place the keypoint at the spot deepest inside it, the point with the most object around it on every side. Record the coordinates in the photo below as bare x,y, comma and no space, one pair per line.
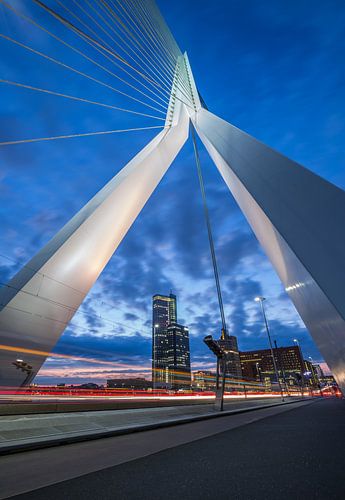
219,402
281,367
302,363
154,359
223,383
217,375
271,347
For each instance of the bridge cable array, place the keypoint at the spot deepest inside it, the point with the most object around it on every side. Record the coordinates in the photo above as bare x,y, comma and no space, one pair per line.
126,40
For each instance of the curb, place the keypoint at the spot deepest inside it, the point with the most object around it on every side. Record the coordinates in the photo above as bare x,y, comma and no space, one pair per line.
77,438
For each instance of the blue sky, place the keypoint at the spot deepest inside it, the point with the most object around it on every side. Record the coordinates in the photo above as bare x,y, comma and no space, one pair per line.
274,69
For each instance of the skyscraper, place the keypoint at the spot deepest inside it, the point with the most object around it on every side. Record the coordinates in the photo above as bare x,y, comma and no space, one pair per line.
170,345
179,373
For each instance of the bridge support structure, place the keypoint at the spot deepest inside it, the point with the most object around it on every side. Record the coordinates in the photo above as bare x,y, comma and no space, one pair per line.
296,216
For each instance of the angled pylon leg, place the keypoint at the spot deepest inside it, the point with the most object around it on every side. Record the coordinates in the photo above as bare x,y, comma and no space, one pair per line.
298,218
38,303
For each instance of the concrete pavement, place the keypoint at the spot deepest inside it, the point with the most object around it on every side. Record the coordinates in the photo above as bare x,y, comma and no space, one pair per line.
22,472
23,432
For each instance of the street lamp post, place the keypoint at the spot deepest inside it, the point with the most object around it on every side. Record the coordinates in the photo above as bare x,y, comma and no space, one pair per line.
154,357
302,363
261,300
281,366
313,373
221,363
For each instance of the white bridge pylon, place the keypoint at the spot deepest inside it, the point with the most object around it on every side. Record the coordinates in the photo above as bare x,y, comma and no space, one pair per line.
296,216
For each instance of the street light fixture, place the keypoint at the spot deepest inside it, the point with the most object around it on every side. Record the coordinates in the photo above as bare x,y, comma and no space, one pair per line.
261,300
20,364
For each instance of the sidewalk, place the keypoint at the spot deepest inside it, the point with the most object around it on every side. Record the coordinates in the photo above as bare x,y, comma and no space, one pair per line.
27,432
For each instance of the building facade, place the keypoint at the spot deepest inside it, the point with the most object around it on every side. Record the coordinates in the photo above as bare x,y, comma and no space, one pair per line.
164,312
204,381
170,346
228,343
259,364
178,354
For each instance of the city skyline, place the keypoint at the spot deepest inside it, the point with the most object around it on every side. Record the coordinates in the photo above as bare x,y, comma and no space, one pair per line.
172,239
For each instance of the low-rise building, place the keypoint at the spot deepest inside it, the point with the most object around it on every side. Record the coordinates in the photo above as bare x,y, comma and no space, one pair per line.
129,383
258,364
204,381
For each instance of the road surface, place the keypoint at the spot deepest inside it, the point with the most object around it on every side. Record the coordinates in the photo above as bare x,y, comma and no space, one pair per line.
285,453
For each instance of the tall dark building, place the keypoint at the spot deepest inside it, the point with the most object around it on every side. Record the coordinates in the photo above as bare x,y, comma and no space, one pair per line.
179,373
170,345
233,363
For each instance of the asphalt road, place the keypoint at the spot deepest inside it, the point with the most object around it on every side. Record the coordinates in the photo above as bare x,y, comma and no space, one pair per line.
297,454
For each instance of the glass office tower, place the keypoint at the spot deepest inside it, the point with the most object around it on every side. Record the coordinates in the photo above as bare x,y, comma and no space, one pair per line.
170,345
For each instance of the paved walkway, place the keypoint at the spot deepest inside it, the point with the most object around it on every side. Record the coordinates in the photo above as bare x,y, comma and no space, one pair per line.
23,472
29,431
297,454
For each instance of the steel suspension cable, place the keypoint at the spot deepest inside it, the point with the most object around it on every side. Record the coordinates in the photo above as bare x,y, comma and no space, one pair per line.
108,11
113,39
140,29
144,42
209,231
136,48
154,37
79,52
100,26
81,73
74,98
85,36
150,33
85,134
159,31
